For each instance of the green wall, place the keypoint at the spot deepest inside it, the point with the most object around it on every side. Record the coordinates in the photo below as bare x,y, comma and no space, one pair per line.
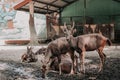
93,8
100,10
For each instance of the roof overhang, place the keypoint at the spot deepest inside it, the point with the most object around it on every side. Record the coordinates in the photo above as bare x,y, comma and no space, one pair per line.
45,6
21,4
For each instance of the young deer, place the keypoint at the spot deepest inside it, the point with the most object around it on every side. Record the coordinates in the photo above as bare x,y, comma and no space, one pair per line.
29,56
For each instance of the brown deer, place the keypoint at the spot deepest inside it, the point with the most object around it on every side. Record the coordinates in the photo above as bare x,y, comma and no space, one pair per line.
29,56
65,65
58,28
57,48
89,42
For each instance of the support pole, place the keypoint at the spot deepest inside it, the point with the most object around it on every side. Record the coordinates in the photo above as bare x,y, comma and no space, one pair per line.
33,35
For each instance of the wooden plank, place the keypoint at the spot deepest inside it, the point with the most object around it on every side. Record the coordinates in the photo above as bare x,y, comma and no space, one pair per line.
22,4
21,42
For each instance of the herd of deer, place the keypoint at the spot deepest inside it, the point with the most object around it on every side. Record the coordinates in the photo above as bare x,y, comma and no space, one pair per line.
60,53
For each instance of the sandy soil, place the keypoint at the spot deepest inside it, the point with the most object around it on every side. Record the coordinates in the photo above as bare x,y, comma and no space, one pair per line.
11,67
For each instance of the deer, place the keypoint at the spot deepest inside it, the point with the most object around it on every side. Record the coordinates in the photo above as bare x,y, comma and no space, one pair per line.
29,56
89,42
58,28
65,64
57,48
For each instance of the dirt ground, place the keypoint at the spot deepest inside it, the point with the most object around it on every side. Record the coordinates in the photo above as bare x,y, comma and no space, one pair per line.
11,67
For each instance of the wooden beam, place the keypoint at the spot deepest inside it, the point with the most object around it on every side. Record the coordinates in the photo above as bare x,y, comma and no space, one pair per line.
36,11
22,4
70,3
50,4
45,9
23,9
66,1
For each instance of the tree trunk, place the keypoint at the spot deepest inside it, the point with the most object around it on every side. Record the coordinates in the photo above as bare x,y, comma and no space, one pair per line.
33,35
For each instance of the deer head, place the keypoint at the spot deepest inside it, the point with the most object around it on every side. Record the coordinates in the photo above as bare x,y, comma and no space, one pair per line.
45,63
68,30
29,49
29,56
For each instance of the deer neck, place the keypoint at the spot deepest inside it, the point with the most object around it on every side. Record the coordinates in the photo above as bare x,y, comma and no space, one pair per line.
48,55
73,41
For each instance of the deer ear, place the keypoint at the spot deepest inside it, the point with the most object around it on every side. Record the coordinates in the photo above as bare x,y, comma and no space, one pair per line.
74,31
61,27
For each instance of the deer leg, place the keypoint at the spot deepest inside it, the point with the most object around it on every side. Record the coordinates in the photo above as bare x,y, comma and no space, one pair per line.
60,70
102,56
82,59
59,61
76,64
72,67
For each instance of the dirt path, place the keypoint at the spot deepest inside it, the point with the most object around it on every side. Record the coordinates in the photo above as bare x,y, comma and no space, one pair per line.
11,67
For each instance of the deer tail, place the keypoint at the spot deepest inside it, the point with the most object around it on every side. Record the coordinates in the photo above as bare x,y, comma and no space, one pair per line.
109,42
